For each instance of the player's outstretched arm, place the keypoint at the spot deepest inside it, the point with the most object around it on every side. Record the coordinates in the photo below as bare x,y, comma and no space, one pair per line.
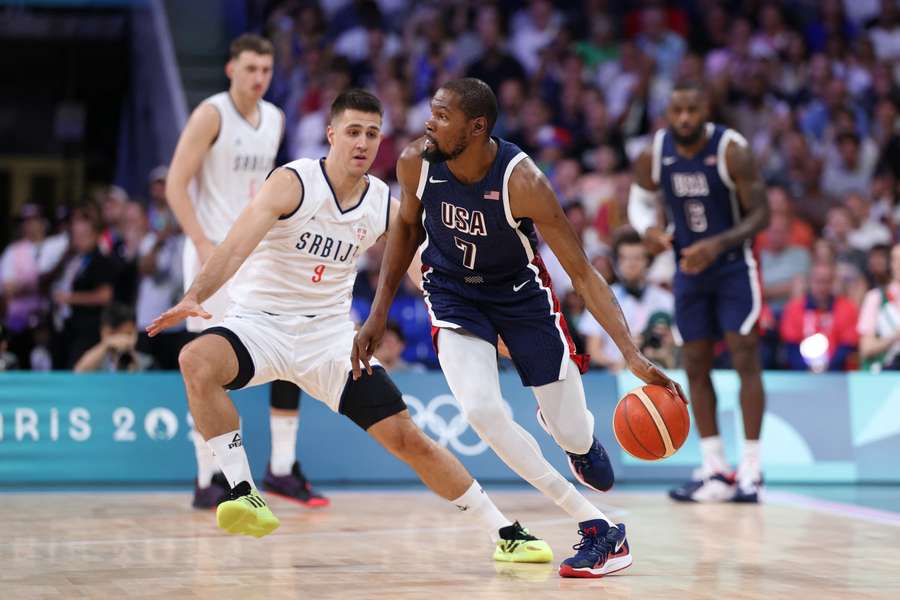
531,196
404,237
198,135
751,191
278,196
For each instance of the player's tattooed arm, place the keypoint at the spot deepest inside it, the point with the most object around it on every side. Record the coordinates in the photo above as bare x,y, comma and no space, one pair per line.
405,233
530,196
751,191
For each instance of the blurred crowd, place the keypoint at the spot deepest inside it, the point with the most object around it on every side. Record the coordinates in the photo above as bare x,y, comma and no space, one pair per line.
813,85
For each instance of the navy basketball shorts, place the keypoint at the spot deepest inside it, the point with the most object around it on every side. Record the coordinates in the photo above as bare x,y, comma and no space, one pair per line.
524,312
723,298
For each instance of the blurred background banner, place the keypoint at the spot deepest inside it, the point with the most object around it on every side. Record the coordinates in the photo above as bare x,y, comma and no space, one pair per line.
62,428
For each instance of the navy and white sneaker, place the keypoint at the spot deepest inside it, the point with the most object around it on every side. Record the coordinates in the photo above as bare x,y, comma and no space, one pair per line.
748,492
602,550
716,488
593,469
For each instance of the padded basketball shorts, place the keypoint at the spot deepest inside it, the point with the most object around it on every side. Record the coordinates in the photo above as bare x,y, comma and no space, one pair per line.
312,352
524,312
216,305
727,298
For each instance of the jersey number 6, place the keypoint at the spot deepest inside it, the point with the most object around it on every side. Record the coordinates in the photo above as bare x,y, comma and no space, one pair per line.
468,249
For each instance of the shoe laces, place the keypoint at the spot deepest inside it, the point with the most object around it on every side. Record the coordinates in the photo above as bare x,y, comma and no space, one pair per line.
239,491
518,533
593,546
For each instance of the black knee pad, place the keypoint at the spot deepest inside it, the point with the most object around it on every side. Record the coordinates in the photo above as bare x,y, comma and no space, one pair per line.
371,398
284,395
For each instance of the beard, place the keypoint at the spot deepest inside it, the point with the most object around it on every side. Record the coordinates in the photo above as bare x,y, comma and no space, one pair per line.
688,139
436,155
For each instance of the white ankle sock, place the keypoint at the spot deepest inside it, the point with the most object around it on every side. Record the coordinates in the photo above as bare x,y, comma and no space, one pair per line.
206,462
228,449
284,443
713,456
749,470
478,505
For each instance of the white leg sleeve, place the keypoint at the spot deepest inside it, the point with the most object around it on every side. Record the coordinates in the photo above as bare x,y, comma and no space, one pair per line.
565,412
470,366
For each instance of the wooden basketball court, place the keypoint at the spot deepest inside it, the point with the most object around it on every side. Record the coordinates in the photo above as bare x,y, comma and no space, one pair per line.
409,544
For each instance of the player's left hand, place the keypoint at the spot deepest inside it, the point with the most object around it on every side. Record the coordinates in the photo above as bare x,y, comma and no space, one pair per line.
699,255
188,307
647,372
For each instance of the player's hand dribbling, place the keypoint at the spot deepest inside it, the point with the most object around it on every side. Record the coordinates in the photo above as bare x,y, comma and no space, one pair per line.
699,255
364,343
188,307
647,372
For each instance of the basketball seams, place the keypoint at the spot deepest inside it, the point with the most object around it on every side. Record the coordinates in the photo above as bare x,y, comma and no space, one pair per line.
657,420
634,436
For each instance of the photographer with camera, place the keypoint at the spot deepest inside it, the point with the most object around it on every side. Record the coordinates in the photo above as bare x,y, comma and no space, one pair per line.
116,350
639,300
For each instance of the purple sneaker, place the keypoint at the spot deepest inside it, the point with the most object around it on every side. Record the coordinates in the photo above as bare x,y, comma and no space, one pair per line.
294,487
212,495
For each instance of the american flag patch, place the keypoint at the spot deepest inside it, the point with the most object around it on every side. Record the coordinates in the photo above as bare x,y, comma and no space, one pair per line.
492,195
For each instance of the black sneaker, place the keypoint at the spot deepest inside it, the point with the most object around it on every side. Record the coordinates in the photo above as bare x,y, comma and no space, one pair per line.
295,487
214,494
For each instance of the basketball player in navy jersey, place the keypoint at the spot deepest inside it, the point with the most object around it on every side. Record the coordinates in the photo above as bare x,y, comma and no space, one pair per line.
474,201
716,201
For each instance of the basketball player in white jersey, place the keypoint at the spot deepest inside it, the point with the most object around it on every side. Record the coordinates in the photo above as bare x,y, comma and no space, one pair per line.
294,250
229,146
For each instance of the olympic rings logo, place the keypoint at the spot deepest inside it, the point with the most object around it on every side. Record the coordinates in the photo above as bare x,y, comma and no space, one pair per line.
447,431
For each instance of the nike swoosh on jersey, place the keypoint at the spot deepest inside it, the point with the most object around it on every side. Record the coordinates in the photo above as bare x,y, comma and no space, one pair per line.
516,288
668,160
433,180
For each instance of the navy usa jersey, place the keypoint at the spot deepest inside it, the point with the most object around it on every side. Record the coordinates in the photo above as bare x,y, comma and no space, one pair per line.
702,202
699,193
482,272
470,232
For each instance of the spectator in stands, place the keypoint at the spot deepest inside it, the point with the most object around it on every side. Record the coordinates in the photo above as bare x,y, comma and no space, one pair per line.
868,231
819,329
160,286
782,264
494,65
390,351
21,266
800,233
850,169
115,352
83,288
639,300
837,231
879,322
658,341
878,265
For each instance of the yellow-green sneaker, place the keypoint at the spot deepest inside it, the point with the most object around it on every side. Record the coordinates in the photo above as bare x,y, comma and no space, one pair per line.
245,512
517,545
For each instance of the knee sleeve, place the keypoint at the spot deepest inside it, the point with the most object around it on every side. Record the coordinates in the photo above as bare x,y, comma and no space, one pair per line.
284,395
371,398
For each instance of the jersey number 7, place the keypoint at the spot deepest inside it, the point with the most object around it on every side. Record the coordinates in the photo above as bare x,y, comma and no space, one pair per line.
469,250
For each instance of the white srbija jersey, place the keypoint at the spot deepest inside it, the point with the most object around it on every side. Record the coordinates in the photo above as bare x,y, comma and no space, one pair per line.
236,164
306,264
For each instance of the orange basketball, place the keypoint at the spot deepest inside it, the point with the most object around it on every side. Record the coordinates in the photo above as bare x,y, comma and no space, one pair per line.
651,422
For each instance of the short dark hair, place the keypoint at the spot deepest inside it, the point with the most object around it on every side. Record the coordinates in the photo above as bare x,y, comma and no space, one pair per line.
252,43
688,85
626,236
117,314
476,99
356,99
394,326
